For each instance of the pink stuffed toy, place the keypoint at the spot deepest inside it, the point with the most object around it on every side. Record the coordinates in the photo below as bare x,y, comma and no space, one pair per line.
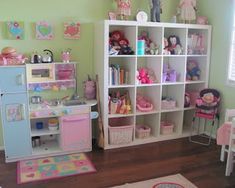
143,104
144,77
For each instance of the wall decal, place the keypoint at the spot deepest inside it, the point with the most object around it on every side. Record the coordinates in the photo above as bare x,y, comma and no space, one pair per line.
44,30
71,30
15,30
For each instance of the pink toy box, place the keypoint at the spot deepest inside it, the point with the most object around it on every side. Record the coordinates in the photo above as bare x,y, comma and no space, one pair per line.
142,131
120,131
167,127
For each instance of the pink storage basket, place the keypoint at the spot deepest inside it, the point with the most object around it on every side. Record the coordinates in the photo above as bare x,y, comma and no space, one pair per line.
166,127
120,131
142,131
165,104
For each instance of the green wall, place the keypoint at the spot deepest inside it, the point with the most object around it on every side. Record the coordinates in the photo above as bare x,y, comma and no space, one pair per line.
85,11
220,16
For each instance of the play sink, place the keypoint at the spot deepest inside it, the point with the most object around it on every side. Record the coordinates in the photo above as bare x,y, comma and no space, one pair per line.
73,102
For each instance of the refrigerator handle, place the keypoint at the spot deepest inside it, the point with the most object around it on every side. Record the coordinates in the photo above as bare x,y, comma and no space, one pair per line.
20,79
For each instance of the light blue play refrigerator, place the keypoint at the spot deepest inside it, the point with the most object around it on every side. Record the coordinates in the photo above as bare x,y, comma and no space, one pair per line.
14,112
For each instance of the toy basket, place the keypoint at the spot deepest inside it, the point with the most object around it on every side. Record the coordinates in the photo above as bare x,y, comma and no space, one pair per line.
120,134
168,104
166,127
120,131
142,131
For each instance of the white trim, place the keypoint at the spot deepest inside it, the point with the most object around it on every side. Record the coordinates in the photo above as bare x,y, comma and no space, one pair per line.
231,36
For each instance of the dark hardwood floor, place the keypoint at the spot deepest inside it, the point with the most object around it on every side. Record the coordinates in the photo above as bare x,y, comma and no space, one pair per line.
199,164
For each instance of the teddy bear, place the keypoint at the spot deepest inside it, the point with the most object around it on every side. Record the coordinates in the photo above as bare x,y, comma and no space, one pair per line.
193,71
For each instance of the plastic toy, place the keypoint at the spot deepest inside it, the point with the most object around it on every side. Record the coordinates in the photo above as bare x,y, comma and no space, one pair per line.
169,75
143,104
155,10
150,47
193,71
187,100
9,56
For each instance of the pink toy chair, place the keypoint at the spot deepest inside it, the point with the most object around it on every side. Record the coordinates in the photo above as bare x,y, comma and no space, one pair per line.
206,111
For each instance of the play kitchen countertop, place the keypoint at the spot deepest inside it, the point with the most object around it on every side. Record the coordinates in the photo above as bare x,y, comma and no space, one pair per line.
42,110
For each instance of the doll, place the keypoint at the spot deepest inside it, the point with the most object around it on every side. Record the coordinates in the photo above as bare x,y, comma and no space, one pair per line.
187,10
155,10
124,8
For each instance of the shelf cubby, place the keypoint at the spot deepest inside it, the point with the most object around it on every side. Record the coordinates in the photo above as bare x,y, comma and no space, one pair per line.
177,64
180,33
176,118
197,41
154,34
149,120
152,63
127,64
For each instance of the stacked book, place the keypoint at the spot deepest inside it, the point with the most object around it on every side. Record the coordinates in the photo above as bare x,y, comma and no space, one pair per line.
118,75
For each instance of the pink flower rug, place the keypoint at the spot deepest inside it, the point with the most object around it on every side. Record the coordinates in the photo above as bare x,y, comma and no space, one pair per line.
53,167
173,181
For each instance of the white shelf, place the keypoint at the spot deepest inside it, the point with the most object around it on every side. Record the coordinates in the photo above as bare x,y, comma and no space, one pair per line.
43,132
47,147
52,81
159,89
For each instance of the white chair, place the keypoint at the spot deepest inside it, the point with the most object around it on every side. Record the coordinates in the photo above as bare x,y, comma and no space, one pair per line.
229,114
231,150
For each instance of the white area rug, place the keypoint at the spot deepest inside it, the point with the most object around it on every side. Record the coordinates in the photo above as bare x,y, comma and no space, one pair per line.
173,181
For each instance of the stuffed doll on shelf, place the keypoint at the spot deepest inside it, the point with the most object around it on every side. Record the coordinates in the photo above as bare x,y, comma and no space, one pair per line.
123,8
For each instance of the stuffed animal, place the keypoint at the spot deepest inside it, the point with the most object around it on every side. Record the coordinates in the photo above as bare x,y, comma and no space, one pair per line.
145,76
90,89
193,71
174,45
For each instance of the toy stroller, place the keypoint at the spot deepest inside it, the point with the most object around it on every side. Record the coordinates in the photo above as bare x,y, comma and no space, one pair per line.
206,108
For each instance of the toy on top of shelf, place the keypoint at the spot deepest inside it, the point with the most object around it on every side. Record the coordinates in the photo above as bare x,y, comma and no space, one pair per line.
203,20
118,44
145,76
143,104
9,56
193,71
150,47
187,10
173,45
155,10
123,8
89,88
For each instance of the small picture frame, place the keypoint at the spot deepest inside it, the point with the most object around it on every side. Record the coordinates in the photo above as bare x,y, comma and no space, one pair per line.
112,15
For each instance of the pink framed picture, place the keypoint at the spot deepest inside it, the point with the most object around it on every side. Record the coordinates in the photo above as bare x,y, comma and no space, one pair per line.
71,30
112,16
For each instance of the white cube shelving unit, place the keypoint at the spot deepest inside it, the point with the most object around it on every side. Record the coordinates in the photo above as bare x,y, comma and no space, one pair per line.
180,116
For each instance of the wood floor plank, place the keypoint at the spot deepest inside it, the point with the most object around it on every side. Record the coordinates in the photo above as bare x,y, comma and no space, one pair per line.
199,164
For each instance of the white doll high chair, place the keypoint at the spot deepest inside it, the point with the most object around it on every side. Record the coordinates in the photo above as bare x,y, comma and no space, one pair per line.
207,109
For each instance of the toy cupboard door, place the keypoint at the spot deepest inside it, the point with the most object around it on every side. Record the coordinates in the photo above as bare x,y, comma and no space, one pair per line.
76,132
13,79
16,130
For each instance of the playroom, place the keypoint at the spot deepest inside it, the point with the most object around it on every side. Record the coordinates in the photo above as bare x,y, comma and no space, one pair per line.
117,93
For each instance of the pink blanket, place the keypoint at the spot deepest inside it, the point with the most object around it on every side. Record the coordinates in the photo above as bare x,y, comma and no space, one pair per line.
223,134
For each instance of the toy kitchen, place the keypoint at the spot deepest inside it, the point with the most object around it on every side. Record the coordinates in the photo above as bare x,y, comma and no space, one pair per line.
41,112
